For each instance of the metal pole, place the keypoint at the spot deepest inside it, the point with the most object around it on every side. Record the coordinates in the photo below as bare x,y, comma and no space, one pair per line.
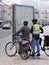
14,25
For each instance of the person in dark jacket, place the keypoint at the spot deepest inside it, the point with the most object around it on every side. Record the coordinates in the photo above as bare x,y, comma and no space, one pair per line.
25,31
35,31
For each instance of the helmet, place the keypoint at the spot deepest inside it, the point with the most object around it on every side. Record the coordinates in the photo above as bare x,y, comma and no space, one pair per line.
34,20
25,22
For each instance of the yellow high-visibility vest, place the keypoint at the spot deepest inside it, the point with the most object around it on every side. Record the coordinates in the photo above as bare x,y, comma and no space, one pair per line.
36,29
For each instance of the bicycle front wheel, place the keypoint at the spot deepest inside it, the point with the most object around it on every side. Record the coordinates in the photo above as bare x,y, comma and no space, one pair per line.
10,49
47,50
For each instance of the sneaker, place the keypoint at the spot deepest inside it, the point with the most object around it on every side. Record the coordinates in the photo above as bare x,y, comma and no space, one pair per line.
32,55
38,54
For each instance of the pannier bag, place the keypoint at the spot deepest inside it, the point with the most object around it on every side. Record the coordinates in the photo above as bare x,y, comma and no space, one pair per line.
46,40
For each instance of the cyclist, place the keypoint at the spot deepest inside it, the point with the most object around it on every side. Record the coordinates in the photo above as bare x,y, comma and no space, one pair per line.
25,32
35,30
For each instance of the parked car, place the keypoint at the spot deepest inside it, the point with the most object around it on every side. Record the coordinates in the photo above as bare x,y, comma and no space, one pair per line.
6,26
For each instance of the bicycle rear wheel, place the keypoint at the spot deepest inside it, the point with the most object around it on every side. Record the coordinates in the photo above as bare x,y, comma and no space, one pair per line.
10,49
25,55
47,50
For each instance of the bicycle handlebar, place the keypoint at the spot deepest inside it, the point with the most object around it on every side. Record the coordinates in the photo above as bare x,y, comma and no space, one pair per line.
16,34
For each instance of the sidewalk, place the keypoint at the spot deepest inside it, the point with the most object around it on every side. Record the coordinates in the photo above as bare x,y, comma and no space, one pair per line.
16,60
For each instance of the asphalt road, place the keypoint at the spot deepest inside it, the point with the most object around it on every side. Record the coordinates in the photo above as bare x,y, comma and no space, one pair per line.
5,33
16,60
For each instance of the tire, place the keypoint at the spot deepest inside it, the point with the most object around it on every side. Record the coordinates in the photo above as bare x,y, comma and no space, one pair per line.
25,55
47,50
10,49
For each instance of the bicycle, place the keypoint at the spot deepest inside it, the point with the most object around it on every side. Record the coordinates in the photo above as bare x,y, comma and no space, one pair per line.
25,51
11,48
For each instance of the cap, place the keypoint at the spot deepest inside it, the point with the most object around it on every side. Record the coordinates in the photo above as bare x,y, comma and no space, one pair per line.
25,22
34,20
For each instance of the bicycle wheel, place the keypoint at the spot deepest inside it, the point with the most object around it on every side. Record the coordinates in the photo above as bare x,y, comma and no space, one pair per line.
10,49
25,55
47,50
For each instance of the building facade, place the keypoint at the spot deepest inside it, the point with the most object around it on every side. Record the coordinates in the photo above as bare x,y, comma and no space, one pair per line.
5,12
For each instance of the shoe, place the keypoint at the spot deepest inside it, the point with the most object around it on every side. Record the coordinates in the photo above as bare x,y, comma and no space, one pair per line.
38,54
32,55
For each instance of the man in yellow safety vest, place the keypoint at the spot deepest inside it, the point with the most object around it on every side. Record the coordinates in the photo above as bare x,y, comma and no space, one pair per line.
35,31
